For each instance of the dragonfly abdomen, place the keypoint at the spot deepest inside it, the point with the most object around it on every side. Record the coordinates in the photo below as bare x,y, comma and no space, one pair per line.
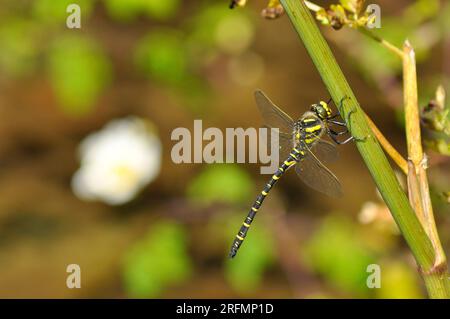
295,156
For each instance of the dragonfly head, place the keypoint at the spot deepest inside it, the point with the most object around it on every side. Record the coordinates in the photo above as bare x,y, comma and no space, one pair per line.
322,110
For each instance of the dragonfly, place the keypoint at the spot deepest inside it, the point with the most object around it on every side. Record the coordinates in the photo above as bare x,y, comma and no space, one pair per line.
303,147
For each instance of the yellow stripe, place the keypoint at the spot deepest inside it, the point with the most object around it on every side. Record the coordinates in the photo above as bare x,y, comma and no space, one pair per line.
264,193
313,129
254,209
326,107
309,120
246,225
310,140
239,237
281,169
275,177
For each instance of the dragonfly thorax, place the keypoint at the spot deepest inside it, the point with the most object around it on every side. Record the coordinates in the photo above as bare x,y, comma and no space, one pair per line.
309,129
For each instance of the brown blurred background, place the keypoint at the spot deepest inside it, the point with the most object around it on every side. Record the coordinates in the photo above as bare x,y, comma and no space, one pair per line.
167,63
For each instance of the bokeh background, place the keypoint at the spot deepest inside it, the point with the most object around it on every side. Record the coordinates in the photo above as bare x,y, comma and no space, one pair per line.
86,175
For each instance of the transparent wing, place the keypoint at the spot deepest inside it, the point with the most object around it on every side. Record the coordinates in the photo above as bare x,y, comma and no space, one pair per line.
283,140
273,116
325,151
314,174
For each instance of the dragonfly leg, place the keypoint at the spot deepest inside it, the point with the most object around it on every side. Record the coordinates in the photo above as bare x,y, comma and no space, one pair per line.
338,113
347,126
333,134
337,133
334,138
337,123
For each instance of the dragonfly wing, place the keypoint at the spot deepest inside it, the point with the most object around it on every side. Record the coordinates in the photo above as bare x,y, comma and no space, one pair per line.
283,140
316,175
273,116
325,151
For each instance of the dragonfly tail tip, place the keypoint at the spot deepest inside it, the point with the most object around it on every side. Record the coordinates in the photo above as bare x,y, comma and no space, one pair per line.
232,254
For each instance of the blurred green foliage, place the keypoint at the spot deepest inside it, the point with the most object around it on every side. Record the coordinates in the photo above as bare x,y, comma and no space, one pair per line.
161,55
398,280
157,261
79,72
226,183
420,11
214,28
187,49
372,53
245,272
127,10
337,253
54,12
18,38
412,25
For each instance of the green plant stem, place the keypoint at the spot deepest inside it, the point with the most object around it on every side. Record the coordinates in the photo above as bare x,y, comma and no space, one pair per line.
367,144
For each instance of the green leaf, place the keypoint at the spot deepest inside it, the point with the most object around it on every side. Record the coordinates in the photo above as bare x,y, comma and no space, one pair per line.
79,72
162,56
420,11
398,281
221,183
338,255
162,10
214,28
157,261
55,12
127,10
123,10
18,47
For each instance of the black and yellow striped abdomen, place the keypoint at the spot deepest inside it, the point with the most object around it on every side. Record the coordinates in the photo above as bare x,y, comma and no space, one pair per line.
295,156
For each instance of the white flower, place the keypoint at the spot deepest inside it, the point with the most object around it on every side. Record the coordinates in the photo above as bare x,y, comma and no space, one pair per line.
117,162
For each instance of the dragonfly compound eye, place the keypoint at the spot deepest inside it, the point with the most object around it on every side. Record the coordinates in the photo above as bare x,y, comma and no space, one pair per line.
320,110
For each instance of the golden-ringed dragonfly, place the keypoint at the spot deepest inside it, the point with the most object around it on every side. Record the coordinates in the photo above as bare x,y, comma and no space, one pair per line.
302,146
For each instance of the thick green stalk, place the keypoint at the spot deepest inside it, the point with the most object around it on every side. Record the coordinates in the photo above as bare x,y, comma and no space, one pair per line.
367,144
